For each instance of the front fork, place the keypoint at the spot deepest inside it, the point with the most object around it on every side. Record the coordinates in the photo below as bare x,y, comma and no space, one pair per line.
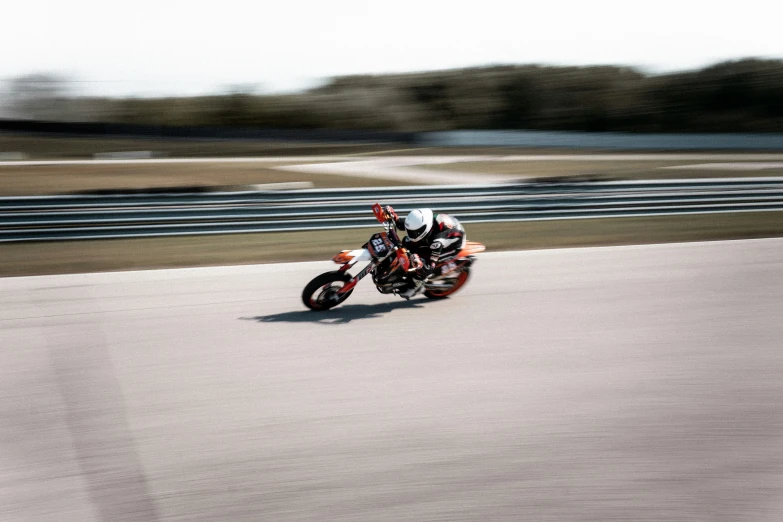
402,258
347,287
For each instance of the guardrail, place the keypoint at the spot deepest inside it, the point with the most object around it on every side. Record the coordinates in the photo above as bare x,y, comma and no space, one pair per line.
602,140
50,218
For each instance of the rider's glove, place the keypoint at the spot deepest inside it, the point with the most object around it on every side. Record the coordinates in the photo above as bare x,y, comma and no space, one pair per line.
421,269
390,211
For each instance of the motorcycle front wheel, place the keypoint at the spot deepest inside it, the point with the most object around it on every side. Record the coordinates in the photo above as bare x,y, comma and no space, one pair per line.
321,292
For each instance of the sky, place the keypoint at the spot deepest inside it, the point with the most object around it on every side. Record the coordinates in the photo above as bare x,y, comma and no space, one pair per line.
176,47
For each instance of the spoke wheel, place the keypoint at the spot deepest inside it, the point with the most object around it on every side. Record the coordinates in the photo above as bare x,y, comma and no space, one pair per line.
321,292
446,290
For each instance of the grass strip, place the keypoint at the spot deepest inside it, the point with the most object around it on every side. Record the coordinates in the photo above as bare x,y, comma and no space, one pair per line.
18,259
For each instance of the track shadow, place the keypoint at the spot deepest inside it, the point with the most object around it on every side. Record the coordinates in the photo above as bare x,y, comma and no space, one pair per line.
340,315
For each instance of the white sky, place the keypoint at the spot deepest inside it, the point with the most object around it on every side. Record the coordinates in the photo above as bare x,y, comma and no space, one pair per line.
157,47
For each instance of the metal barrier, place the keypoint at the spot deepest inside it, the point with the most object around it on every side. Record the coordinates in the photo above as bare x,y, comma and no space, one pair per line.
49,218
602,140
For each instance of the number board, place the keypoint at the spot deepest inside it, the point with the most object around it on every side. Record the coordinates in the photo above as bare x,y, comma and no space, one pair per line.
379,245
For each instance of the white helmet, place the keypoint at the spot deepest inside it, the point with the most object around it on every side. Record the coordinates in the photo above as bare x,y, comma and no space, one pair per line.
418,223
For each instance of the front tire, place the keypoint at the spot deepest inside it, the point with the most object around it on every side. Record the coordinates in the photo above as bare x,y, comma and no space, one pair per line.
460,281
321,292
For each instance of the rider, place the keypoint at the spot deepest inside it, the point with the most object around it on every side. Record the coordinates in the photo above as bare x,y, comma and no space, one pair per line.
431,239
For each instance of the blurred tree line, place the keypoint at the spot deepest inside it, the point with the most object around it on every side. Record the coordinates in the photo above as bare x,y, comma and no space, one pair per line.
737,96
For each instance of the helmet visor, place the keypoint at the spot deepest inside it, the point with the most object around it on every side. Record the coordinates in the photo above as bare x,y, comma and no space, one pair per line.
417,233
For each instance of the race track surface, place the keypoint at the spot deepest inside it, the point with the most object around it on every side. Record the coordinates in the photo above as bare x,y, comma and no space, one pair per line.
632,383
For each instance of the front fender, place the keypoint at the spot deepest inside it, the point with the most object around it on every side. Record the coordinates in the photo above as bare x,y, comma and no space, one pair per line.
351,257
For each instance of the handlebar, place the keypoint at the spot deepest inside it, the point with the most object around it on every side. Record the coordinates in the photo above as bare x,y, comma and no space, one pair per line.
388,223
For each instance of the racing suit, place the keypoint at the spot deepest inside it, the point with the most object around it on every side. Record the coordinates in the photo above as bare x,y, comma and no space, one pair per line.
444,240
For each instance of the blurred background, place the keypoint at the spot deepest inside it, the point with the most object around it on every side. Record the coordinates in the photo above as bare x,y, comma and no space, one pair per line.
637,383
554,66
744,95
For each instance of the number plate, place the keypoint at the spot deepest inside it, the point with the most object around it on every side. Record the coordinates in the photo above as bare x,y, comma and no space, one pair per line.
379,245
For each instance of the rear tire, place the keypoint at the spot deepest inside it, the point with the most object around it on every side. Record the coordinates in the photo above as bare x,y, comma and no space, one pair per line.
462,278
317,295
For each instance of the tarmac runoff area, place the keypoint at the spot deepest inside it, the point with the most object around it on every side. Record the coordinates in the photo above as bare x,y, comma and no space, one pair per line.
625,383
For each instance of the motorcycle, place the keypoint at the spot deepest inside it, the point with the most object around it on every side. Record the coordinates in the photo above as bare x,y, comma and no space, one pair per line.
391,268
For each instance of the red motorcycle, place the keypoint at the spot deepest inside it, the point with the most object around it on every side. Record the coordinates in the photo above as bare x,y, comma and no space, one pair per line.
390,266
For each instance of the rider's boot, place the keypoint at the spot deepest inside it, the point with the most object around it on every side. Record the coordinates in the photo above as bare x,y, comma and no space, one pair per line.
417,286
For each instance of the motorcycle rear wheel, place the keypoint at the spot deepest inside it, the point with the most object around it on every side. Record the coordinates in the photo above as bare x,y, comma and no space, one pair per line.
461,279
321,293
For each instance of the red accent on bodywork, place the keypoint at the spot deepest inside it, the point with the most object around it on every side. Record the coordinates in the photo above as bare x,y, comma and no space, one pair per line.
348,286
402,259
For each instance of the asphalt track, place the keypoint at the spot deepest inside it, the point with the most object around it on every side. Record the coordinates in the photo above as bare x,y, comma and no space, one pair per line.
632,383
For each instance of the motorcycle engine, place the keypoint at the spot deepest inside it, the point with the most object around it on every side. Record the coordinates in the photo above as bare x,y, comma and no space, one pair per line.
388,278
